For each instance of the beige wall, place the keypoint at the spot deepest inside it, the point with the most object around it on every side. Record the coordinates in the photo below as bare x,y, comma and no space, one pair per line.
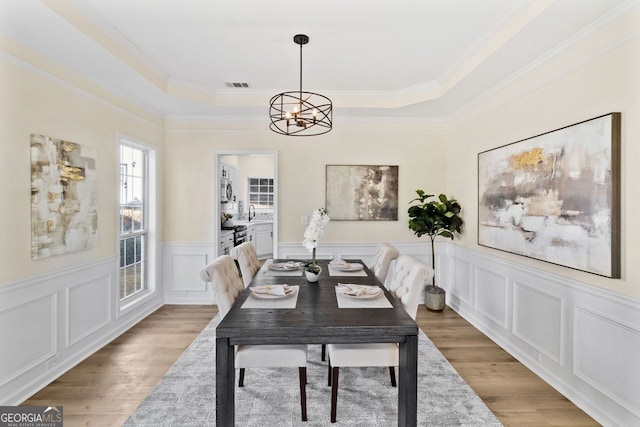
34,103
421,157
582,84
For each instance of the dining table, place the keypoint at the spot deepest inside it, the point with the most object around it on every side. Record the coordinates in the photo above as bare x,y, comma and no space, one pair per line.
316,314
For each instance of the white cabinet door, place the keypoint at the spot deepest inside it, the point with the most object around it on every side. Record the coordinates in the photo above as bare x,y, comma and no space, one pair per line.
225,244
264,240
251,234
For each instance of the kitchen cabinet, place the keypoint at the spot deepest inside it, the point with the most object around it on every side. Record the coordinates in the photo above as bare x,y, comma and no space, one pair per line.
251,233
225,242
264,239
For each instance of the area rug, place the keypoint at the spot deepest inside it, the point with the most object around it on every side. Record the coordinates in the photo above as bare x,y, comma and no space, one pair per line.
186,394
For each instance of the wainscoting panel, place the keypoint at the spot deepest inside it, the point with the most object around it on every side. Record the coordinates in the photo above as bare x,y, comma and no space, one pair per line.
50,323
581,339
491,295
24,348
88,308
601,340
182,265
545,335
186,272
461,287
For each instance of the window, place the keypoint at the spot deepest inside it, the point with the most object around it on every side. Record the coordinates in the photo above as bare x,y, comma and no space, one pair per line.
133,220
261,192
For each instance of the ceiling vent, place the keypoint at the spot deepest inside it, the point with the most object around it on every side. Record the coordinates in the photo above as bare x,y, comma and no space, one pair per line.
236,84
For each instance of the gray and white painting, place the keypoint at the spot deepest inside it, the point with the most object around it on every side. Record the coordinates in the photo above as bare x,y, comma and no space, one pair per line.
550,197
63,197
362,193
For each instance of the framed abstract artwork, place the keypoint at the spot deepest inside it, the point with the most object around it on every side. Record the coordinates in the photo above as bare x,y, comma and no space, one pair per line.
362,192
63,197
555,197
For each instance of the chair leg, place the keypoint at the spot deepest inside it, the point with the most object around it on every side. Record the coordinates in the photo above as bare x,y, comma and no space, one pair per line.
329,374
324,352
392,374
241,378
334,394
303,391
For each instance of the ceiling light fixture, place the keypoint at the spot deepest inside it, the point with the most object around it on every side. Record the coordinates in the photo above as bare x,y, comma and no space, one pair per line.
298,113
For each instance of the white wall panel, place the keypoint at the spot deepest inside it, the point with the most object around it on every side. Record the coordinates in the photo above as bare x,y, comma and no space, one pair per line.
28,335
491,295
581,339
602,341
182,266
545,334
185,269
462,284
88,308
51,322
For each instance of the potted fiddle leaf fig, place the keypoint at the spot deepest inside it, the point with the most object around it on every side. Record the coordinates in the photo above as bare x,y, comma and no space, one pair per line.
439,217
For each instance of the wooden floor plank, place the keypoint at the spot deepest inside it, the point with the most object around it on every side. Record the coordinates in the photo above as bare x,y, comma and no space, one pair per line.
106,388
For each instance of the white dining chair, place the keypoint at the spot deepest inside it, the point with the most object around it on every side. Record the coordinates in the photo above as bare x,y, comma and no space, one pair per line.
247,257
385,254
382,259
405,284
227,285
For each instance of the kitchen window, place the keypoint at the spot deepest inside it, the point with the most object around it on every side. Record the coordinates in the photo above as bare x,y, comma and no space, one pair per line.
261,193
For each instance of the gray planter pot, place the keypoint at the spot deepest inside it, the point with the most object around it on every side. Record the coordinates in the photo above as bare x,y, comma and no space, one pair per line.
434,299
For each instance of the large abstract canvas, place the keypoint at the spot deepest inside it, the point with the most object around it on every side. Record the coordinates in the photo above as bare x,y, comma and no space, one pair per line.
63,197
362,193
556,196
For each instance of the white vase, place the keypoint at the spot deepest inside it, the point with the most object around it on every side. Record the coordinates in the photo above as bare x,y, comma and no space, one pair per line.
312,277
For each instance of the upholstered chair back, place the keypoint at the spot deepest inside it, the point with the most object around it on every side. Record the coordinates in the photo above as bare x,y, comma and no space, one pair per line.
247,257
227,285
407,281
382,259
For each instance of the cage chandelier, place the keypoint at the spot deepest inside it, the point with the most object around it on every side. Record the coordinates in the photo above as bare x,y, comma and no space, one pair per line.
298,113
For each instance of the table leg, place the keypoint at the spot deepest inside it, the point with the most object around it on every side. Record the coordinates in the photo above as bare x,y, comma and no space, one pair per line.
225,383
408,383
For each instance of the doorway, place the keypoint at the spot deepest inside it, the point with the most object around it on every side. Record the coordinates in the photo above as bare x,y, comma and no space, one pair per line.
235,194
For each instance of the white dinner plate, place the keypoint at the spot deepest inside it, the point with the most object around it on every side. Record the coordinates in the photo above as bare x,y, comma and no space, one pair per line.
288,293
283,266
351,267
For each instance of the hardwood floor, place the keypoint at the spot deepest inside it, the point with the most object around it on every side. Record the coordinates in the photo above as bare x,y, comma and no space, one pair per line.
107,387
514,394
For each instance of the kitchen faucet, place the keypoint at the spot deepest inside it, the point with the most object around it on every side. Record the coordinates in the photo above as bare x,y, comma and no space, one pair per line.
254,212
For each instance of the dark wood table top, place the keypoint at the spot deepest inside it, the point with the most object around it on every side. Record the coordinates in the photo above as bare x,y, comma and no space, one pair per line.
316,318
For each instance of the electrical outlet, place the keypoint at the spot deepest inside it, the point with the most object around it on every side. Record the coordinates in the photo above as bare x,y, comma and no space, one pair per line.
52,362
305,220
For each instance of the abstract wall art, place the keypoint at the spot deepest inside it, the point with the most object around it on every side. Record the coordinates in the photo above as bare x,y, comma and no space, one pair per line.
362,193
556,196
63,197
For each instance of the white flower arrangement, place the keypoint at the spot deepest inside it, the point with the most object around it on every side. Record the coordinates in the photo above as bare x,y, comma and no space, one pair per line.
313,233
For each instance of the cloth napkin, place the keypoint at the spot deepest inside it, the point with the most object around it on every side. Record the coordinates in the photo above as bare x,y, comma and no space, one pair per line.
357,290
271,289
289,264
338,263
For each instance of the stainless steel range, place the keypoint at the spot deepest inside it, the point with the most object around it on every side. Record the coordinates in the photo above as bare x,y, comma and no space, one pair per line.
239,233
